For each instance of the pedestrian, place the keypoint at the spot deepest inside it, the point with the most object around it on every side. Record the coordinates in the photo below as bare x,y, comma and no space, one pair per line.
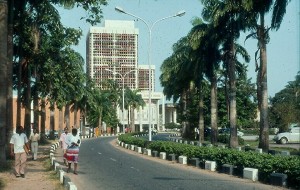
63,144
196,133
34,138
73,142
18,145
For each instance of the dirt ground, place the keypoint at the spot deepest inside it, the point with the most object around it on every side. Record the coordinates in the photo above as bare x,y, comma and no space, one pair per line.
38,176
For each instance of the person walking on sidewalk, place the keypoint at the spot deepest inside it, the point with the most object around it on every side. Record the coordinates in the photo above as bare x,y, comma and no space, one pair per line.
18,146
34,138
73,142
63,144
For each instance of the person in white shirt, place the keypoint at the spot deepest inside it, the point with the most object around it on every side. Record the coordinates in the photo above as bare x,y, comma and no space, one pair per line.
34,138
63,144
73,141
17,143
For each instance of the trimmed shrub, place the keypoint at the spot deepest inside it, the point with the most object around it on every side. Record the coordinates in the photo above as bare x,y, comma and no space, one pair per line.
265,163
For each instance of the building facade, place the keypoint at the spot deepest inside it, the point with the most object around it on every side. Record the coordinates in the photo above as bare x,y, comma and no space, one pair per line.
112,53
73,121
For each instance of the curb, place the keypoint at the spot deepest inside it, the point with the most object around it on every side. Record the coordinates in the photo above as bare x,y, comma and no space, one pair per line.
64,180
252,174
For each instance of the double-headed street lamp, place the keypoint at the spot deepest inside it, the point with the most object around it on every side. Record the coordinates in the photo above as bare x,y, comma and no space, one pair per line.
179,14
123,86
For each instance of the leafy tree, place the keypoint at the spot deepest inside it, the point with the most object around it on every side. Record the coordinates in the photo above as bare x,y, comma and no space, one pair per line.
25,15
285,107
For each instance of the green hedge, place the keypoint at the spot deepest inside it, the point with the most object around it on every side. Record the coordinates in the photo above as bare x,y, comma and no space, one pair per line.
265,163
225,139
129,139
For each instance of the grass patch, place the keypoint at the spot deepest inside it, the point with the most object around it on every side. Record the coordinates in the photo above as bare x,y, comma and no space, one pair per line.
5,167
52,174
2,184
252,144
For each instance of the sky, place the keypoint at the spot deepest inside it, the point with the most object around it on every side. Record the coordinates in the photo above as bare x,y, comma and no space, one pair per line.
283,50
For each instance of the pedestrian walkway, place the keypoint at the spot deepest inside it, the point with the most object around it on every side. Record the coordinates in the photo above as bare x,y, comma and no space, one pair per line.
37,176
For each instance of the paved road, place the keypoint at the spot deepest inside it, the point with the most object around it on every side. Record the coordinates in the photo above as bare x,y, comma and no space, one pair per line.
109,167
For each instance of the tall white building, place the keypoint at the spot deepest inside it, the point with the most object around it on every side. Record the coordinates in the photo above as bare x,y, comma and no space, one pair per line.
112,53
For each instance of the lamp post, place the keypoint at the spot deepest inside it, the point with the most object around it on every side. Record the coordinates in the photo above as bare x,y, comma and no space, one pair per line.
150,27
123,79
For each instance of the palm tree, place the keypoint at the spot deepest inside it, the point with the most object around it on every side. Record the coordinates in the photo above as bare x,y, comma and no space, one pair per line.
261,33
206,46
3,78
9,115
198,66
177,81
228,18
133,101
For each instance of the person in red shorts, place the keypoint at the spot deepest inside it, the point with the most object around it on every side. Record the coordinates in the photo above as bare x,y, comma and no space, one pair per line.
73,142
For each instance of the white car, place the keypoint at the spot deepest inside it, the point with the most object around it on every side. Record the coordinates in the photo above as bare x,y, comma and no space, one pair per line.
292,136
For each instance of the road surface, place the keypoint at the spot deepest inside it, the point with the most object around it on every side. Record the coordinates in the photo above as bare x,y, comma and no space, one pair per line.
106,166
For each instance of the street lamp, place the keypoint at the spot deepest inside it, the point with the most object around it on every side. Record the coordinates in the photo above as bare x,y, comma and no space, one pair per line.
123,79
179,14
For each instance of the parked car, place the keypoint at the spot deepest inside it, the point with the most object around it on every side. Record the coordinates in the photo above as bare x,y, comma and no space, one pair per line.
47,133
154,131
207,131
227,131
293,135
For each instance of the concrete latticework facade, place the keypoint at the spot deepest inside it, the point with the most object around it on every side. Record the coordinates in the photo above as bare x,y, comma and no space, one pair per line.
112,53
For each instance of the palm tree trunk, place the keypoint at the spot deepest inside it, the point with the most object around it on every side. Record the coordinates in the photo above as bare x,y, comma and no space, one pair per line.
19,89
3,79
132,125
75,115
43,120
36,110
184,107
232,99
27,124
9,128
36,101
100,123
263,88
60,120
37,79
67,115
21,62
52,120
201,115
214,114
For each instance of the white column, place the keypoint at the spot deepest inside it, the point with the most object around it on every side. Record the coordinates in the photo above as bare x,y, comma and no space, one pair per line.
141,118
163,109
157,115
171,115
175,116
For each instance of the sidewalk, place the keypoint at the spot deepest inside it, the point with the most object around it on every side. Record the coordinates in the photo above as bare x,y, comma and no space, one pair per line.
37,176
